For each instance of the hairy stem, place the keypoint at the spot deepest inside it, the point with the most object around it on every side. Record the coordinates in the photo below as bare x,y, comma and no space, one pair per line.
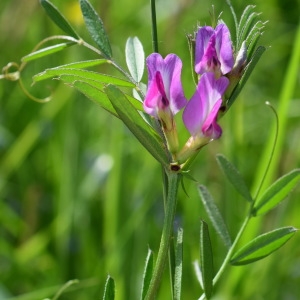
173,179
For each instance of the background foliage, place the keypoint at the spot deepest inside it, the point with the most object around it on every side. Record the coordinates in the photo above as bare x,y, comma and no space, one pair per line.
80,198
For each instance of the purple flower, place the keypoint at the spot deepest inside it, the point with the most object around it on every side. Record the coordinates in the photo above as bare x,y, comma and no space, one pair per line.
164,96
213,51
200,114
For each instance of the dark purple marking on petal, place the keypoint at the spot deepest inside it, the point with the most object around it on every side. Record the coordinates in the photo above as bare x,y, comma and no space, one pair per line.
160,85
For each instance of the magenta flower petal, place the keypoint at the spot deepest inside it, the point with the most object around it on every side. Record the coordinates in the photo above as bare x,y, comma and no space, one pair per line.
224,48
164,86
200,114
204,49
213,51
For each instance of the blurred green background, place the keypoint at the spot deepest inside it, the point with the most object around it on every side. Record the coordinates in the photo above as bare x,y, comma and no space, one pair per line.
80,198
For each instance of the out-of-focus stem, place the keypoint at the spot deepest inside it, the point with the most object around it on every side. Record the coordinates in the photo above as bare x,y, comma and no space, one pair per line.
154,27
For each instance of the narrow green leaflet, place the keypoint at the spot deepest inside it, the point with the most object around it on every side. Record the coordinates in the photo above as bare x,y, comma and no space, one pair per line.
71,79
276,193
135,58
58,18
96,95
248,70
96,28
206,260
234,177
135,102
85,64
247,11
147,273
248,26
214,215
93,90
178,265
109,291
262,246
252,42
136,124
47,51
103,78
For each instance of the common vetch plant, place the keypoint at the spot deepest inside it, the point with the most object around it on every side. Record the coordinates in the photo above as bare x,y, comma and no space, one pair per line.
222,61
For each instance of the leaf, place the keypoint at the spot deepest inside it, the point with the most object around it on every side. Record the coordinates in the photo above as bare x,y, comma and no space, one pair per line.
147,273
136,124
252,42
82,74
234,177
178,264
262,246
247,72
58,18
94,90
214,215
198,273
47,51
95,27
206,259
96,95
276,193
247,11
248,26
135,58
135,102
84,64
109,291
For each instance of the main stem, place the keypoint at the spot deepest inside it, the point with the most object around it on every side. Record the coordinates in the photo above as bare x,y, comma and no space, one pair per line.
173,179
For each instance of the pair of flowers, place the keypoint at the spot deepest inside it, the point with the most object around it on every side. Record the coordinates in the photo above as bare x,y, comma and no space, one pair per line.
165,97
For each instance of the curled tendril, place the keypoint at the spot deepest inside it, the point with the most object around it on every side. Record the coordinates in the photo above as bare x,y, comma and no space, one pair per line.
30,96
12,72
8,74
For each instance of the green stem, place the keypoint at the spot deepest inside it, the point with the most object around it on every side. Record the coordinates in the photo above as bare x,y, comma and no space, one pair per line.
154,27
173,179
230,252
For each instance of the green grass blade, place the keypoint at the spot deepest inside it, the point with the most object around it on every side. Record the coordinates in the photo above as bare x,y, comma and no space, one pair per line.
47,51
234,177
147,273
136,124
135,58
206,260
214,215
262,246
95,27
277,192
58,18
109,291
